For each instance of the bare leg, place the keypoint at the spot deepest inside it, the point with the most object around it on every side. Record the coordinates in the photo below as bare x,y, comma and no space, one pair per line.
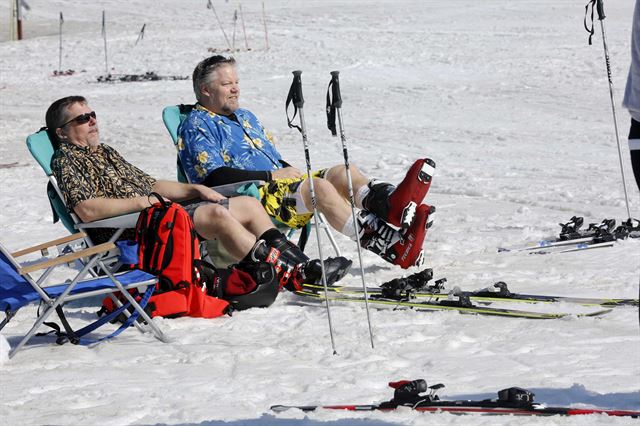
215,221
330,202
337,175
250,213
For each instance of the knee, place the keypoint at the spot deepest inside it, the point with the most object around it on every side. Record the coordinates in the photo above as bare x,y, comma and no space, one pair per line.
326,193
323,187
212,216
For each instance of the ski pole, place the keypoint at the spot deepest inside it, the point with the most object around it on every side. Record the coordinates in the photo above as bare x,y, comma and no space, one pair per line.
334,104
599,7
210,6
295,96
104,36
60,58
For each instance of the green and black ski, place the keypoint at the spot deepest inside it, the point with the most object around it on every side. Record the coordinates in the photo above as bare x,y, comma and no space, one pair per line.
500,293
460,305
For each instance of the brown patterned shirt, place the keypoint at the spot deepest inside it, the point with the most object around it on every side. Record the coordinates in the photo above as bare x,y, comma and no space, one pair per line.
83,174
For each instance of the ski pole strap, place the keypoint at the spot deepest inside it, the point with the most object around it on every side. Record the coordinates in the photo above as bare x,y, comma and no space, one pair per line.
334,100
598,5
295,96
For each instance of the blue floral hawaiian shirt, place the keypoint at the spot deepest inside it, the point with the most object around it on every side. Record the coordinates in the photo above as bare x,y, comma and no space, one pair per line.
207,141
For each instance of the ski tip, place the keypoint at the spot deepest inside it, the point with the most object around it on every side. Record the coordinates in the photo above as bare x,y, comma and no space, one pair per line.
279,408
596,313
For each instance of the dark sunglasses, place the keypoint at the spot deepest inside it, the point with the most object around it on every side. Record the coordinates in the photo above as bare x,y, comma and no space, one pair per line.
211,63
81,119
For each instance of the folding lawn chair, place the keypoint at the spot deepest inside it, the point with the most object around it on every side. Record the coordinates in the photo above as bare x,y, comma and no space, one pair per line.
19,287
41,148
172,116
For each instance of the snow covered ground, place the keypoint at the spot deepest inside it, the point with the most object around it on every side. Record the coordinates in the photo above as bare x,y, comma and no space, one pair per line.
506,96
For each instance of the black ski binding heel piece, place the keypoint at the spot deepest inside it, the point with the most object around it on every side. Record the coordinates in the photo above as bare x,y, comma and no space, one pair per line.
570,230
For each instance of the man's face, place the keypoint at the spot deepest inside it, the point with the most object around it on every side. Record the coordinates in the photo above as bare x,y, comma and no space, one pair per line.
79,132
221,90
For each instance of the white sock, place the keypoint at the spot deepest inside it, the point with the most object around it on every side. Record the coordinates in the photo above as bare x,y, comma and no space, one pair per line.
361,194
349,230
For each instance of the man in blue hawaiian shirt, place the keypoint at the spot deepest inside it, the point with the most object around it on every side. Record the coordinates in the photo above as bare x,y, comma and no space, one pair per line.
221,143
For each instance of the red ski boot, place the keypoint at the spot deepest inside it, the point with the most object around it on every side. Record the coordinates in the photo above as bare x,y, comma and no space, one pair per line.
398,205
400,248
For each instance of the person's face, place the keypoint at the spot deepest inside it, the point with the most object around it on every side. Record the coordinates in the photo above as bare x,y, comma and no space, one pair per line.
78,130
221,90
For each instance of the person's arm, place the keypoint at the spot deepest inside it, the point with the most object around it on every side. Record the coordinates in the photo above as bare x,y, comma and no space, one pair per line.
225,175
176,191
101,208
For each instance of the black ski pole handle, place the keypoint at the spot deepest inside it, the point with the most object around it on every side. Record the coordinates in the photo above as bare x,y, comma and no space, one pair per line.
296,89
336,98
600,9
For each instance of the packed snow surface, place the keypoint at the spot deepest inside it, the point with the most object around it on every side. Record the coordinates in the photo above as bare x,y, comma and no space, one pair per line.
506,96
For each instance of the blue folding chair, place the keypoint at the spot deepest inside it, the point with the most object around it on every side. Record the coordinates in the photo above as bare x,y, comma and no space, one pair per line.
19,287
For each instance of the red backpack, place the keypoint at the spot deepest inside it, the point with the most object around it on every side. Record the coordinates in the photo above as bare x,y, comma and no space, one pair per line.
168,247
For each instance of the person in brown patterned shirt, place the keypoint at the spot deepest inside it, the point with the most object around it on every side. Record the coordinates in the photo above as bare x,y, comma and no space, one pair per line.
97,183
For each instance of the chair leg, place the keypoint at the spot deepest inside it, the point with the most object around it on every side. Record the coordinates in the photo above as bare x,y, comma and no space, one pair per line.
7,317
42,318
322,221
53,305
156,330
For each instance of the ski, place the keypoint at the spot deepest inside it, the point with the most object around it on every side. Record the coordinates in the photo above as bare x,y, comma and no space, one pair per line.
511,401
499,293
577,247
462,305
597,235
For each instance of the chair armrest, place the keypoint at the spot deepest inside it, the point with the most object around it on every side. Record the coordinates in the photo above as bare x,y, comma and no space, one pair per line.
122,221
230,189
53,243
66,258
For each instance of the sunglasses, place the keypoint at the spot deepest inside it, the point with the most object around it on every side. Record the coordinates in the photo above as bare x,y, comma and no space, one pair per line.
81,119
210,64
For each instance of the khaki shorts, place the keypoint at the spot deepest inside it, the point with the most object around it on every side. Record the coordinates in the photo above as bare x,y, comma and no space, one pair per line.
282,200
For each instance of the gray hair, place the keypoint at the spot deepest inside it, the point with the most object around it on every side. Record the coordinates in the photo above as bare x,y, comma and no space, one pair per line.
205,68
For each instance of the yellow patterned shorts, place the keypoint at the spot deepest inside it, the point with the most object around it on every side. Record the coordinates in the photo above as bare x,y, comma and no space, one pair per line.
280,200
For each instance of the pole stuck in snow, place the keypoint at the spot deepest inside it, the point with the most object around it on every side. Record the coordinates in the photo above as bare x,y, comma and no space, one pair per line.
210,6
233,37
244,29
140,34
599,7
264,20
19,19
60,56
104,37
295,96
334,106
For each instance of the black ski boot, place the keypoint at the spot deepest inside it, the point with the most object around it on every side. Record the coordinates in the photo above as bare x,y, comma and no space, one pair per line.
294,267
